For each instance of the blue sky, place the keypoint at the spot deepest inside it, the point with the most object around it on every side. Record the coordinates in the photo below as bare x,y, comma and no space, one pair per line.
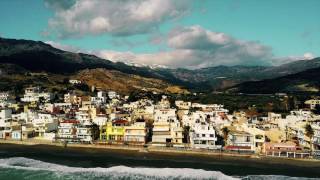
176,33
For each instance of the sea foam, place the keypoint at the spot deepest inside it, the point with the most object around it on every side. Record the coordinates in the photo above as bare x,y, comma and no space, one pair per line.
44,170
115,172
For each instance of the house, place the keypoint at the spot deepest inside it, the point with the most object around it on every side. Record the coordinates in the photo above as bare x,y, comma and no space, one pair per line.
100,120
166,128
136,133
114,131
203,136
191,118
240,141
258,137
83,132
71,98
33,94
74,81
83,116
4,96
312,103
67,131
22,132
183,105
285,149
5,114
44,123
316,136
112,94
101,98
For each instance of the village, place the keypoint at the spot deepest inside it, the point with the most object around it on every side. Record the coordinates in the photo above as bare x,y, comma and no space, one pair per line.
111,119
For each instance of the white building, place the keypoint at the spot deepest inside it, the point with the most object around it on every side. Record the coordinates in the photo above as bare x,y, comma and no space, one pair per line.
101,98
100,120
183,105
136,133
112,94
4,96
74,81
5,114
71,98
203,136
33,94
312,103
45,123
166,128
84,133
240,141
67,130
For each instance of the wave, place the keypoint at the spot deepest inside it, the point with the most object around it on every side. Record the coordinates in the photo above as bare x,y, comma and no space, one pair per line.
116,172
25,168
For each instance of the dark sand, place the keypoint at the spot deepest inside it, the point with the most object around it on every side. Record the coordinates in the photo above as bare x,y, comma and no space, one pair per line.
99,157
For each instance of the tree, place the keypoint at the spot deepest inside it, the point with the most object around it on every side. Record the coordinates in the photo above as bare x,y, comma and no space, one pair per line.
225,132
309,133
316,109
95,131
186,131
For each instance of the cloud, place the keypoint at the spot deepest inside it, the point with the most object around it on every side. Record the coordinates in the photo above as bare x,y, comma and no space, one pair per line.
308,56
79,18
66,47
59,5
195,47
283,60
195,37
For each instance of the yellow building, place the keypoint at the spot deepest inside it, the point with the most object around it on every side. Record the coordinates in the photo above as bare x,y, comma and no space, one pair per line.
113,131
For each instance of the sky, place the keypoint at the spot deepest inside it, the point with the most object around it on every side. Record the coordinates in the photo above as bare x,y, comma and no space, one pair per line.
173,33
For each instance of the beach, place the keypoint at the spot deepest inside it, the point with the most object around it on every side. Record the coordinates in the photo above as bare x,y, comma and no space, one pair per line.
92,157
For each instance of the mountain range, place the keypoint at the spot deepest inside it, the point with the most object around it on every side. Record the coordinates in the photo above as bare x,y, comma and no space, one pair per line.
307,81
36,56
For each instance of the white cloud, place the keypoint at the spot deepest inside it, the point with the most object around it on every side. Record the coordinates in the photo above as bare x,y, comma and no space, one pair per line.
282,60
118,17
308,56
65,47
195,37
195,47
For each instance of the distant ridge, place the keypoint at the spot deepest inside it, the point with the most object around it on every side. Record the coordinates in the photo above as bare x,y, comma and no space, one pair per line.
305,81
37,56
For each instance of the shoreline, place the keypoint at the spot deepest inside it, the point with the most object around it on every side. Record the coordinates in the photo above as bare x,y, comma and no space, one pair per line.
93,157
162,151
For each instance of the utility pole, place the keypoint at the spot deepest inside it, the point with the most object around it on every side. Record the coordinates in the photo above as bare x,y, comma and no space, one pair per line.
21,132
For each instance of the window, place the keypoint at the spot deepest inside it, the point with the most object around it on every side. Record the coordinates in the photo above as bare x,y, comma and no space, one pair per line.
211,135
198,135
203,135
248,138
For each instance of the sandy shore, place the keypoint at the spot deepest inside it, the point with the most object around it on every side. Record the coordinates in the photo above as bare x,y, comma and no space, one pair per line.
107,156
163,152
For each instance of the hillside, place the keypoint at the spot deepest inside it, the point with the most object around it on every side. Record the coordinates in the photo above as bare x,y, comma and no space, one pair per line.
36,56
102,78
306,81
221,77
125,83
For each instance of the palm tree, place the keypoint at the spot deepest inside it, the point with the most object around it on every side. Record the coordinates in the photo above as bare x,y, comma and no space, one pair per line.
186,131
225,132
95,131
309,133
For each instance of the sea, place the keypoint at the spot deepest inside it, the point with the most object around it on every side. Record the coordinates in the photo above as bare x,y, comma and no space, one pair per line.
40,163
